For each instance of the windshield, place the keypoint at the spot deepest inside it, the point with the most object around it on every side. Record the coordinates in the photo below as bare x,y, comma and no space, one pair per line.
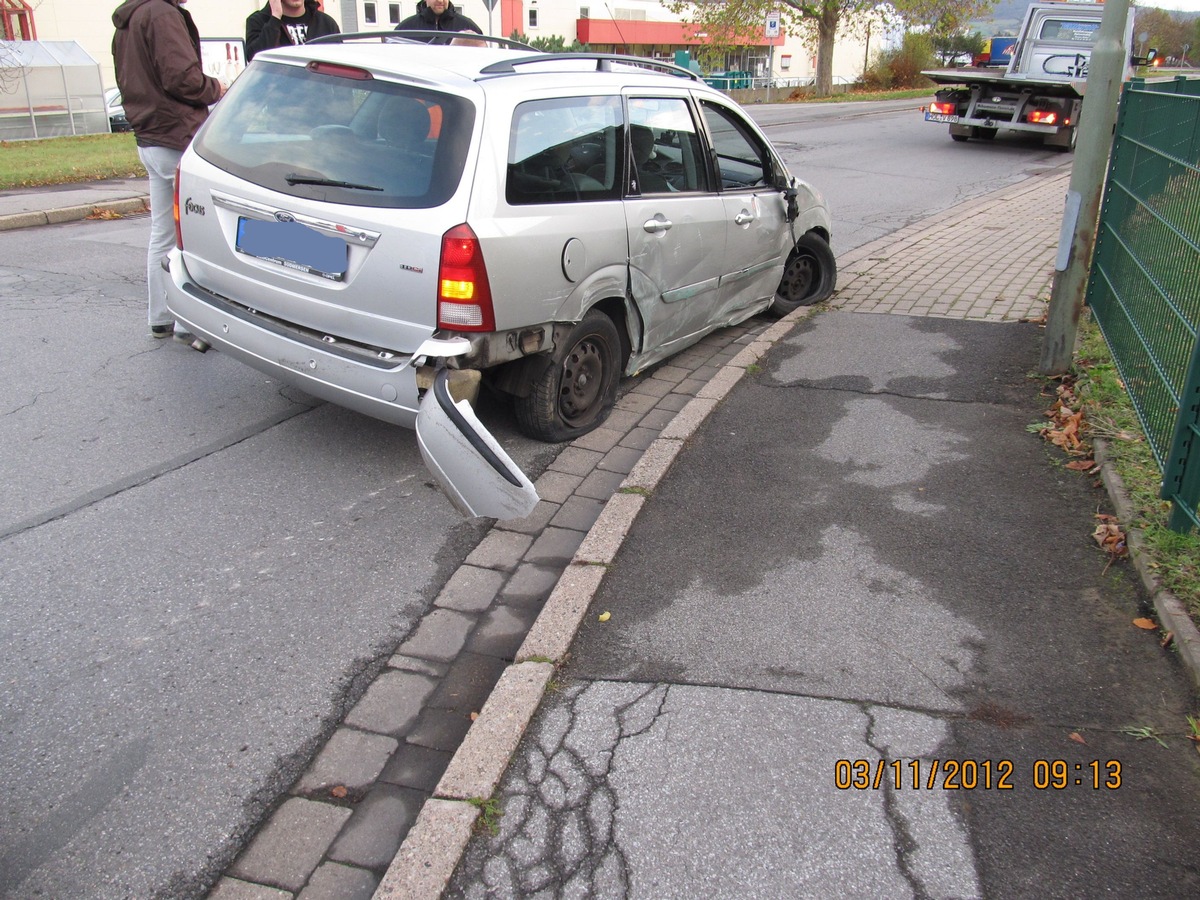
339,139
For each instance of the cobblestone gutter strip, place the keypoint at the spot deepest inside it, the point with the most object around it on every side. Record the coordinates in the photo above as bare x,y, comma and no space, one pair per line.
1172,615
431,851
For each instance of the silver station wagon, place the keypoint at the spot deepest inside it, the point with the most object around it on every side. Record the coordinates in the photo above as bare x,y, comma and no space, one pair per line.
378,220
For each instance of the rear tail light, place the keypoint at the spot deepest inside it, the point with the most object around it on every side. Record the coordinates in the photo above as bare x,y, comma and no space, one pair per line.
178,230
944,107
1043,117
464,295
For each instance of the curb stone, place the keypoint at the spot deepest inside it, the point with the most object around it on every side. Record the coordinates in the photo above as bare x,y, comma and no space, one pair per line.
130,206
1173,617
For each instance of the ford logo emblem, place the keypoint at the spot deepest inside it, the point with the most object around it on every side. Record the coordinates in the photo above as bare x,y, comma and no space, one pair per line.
284,217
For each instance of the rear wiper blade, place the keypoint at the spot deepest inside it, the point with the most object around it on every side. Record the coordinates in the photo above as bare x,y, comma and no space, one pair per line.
295,179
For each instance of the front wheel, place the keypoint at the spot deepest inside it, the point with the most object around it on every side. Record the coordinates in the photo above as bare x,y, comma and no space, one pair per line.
808,277
576,391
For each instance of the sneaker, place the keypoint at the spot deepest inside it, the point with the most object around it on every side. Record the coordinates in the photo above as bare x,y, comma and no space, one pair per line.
162,331
186,337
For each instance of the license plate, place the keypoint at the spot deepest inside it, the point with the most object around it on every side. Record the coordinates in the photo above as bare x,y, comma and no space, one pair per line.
293,246
941,117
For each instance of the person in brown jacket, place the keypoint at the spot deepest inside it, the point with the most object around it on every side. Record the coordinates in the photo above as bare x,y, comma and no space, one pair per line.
156,51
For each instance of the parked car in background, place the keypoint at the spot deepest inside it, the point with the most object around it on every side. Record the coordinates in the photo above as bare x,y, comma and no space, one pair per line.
116,112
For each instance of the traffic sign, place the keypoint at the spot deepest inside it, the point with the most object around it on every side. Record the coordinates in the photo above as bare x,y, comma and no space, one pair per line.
772,27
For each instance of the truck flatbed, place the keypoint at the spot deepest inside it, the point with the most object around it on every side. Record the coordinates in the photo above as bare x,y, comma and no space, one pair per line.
980,75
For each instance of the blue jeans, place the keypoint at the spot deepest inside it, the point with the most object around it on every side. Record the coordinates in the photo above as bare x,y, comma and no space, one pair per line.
160,163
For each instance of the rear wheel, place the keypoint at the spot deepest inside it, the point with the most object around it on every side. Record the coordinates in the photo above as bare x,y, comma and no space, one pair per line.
1065,140
576,391
808,277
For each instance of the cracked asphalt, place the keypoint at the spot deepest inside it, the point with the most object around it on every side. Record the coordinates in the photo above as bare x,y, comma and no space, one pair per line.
861,644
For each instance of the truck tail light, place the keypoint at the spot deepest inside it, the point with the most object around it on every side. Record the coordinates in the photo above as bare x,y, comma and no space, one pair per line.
464,295
945,107
1043,117
175,212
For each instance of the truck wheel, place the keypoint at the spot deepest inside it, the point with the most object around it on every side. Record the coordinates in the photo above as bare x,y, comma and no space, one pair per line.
961,138
576,390
1064,144
808,277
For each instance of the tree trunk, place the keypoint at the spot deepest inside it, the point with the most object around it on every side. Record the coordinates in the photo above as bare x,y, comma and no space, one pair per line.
826,35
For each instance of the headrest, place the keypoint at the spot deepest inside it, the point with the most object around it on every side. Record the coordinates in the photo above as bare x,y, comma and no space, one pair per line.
404,121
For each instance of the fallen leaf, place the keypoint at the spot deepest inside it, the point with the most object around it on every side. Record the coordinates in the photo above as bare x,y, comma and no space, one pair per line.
604,616
474,716
1077,737
1081,465
1145,624
339,791
1167,638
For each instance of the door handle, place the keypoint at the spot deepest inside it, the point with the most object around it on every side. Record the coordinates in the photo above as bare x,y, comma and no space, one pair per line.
743,218
654,226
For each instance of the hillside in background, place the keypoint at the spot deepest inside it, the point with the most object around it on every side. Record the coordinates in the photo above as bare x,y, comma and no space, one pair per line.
1007,15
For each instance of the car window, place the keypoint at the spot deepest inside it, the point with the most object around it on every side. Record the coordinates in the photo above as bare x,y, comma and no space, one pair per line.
566,150
743,160
667,151
1071,32
333,137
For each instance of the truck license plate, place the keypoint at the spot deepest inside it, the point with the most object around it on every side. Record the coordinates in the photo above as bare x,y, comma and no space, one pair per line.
941,117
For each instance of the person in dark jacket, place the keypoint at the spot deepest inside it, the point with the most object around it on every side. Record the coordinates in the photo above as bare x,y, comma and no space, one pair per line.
156,52
438,15
283,23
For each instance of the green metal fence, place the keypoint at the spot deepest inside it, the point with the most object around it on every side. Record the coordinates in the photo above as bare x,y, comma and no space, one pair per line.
1144,287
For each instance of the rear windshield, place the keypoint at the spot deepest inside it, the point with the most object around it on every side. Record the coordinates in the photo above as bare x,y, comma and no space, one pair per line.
1070,32
339,139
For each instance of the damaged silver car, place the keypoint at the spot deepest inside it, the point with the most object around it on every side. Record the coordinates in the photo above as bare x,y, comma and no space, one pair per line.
386,223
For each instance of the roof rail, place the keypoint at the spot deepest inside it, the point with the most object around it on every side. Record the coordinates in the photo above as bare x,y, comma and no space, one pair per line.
604,63
413,36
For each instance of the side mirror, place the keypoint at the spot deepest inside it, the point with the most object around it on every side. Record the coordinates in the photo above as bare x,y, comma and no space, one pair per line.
789,196
1147,60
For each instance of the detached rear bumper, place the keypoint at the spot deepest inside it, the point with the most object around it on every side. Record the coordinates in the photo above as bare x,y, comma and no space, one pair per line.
374,383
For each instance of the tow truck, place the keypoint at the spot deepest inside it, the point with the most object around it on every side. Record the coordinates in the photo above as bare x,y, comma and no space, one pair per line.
1040,91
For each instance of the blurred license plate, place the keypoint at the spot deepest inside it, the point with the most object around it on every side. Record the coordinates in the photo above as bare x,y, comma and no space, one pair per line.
941,117
293,246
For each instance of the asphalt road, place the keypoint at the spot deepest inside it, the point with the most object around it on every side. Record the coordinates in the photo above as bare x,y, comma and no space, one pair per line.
200,569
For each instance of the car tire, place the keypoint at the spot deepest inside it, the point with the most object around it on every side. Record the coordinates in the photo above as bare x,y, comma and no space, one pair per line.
808,277
576,391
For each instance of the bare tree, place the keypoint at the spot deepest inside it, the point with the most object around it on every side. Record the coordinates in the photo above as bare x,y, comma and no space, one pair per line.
11,68
732,23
